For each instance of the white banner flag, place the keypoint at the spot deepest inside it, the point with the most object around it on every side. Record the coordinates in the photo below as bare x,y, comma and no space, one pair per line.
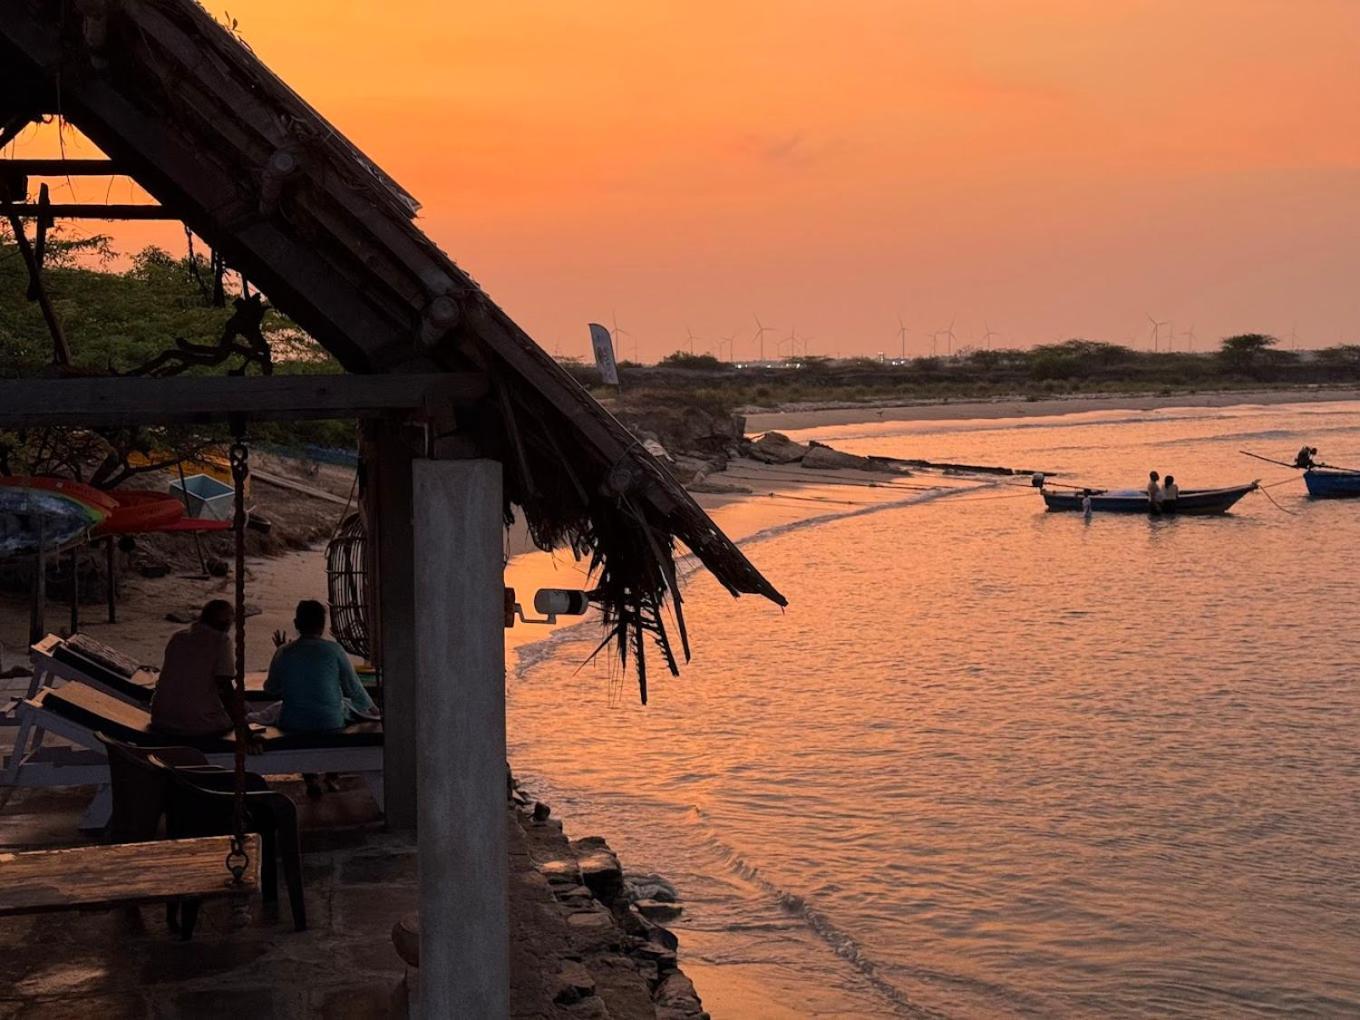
603,344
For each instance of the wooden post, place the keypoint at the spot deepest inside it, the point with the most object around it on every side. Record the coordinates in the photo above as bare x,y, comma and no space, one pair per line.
37,621
111,562
460,697
75,589
390,531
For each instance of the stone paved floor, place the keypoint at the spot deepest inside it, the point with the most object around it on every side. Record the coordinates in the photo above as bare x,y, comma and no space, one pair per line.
567,949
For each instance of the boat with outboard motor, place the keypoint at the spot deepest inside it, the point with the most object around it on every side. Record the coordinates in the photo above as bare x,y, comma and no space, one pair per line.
1135,501
1324,481
1332,483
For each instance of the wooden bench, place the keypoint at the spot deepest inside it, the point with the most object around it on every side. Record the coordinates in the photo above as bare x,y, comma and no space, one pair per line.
101,876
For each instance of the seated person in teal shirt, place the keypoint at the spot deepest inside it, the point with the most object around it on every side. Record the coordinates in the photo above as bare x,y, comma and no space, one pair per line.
316,682
314,678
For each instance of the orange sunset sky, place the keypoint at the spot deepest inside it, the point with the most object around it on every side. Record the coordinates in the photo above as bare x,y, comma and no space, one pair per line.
1051,168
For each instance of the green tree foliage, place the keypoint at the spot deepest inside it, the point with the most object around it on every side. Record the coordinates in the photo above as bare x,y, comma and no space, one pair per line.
115,320
700,362
1341,356
1074,359
1246,352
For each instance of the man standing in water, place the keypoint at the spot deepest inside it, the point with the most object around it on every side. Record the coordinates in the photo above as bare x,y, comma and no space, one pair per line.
1154,492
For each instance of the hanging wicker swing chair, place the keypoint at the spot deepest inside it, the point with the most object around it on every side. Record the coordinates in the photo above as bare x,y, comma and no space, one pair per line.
347,586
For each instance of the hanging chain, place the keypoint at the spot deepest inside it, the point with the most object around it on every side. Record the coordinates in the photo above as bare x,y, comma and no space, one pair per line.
237,859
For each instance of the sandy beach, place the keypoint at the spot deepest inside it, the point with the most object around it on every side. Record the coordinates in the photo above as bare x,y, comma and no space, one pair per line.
805,416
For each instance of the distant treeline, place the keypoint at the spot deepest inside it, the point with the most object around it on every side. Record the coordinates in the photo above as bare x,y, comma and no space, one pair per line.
1074,366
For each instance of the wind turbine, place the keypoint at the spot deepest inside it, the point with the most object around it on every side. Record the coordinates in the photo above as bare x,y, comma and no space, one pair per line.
902,335
759,335
689,335
618,348
948,334
987,335
728,341
1189,336
792,341
1293,337
1156,331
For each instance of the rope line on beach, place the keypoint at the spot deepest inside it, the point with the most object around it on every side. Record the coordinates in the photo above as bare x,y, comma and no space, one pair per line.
794,476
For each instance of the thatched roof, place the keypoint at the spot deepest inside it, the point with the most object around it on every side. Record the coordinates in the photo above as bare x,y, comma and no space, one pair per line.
198,121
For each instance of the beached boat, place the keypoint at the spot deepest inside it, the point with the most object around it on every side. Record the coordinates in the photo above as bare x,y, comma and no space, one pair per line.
1135,501
1332,483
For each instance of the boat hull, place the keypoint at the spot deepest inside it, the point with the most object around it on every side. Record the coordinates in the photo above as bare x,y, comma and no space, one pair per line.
1191,501
1324,484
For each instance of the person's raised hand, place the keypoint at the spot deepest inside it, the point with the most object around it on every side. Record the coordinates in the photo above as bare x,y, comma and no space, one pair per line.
280,639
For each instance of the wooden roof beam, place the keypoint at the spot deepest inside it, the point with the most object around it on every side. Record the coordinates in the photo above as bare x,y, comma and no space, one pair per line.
123,401
85,211
63,168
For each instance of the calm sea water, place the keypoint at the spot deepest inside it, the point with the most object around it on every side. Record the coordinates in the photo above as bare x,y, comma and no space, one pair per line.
993,761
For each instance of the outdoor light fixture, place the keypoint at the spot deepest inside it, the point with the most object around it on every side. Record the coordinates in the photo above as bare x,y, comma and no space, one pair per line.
551,602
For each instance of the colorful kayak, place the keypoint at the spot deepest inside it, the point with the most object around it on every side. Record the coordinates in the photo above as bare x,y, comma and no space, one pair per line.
39,517
1332,483
1135,501
138,511
87,494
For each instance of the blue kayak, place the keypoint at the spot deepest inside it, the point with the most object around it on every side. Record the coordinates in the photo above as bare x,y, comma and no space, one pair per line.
32,516
1332,483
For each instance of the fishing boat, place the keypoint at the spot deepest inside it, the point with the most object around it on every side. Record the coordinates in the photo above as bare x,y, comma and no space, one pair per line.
1135,501
1324,481
1332,483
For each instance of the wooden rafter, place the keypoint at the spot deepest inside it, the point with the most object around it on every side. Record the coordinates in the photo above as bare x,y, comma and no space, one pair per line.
123,401
62,167
94,211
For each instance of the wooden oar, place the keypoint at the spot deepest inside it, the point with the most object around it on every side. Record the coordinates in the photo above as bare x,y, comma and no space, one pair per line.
1316,463
1269,460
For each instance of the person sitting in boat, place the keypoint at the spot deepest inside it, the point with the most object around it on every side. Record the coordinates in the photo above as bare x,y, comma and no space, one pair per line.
1170,490
1305,458
1154,490
194,695
316,682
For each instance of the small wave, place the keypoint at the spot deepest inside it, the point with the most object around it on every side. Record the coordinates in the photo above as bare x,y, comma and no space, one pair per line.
533,654
689,564
845,945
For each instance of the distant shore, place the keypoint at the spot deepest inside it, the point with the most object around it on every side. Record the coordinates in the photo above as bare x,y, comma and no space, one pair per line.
814,415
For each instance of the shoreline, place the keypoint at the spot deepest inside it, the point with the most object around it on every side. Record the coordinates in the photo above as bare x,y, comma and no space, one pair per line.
729,980
792,417
781,500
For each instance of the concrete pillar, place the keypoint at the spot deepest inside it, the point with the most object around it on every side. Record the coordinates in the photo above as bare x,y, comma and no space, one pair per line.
460,698
389,502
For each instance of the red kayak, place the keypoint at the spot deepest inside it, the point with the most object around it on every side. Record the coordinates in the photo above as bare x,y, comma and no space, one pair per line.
138,511
196,524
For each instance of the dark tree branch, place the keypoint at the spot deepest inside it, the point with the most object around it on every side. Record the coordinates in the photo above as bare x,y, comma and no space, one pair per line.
242,337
